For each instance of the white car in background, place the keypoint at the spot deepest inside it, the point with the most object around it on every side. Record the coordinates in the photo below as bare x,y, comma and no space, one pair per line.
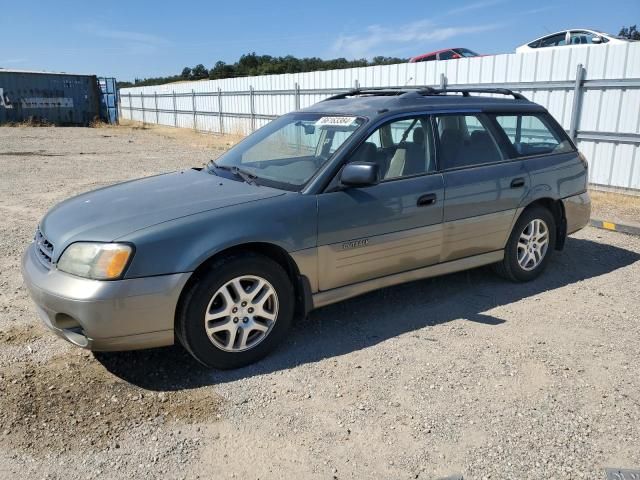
578,36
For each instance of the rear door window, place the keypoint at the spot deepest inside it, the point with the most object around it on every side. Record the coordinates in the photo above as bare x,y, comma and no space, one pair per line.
533,135
466,140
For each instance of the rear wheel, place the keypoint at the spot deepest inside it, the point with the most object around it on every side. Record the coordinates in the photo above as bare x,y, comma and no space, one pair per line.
236,312
529,247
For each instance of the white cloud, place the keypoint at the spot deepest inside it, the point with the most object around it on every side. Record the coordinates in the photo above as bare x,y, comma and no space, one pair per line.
473,6
369,43
135,42
533,11
13,61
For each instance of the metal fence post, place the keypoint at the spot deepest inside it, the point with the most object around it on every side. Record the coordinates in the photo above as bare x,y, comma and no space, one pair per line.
193,106
142,104
253,110
119,109
220,111
130,108
155,97
443,81
175,110
296,99
356,84
577,102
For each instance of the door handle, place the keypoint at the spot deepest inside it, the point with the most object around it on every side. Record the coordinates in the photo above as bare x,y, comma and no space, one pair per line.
427,199
517,182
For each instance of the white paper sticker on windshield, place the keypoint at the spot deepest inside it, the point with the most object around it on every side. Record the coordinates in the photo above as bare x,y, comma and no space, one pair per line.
336,121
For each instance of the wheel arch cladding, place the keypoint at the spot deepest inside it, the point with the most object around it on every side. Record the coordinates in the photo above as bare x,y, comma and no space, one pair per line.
271,251
557,210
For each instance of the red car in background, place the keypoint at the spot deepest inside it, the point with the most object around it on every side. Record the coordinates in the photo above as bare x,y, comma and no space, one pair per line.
446,54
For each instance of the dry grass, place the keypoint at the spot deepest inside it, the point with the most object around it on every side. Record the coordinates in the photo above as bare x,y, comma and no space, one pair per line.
615,207
30,122
186,135
98,123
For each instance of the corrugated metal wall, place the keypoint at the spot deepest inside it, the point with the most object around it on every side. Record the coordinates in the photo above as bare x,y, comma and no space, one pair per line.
55,98
607,110
108,99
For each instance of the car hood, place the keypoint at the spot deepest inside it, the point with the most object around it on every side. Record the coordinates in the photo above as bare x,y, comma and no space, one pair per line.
111,212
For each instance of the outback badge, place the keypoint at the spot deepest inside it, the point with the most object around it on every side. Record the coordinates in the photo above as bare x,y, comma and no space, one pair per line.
355,244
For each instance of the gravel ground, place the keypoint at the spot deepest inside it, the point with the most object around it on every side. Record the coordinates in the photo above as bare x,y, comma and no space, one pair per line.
465,374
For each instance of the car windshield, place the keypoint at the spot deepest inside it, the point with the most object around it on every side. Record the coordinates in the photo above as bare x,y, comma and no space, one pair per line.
288,151
465,52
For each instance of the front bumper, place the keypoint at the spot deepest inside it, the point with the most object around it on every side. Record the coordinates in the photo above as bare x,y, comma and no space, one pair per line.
104,315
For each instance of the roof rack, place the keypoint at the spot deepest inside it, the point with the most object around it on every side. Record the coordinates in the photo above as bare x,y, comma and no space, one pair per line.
466,91
383,91
391,91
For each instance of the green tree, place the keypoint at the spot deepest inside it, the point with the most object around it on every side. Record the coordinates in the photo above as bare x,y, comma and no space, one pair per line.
221,70
631,32
199,72
251,64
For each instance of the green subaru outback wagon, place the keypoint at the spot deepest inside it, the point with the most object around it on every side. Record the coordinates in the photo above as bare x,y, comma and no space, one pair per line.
364,190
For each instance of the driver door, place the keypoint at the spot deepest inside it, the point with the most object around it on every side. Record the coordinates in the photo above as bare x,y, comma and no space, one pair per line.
392,227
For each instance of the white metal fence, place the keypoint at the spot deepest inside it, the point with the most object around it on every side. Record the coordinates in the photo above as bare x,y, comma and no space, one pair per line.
593,91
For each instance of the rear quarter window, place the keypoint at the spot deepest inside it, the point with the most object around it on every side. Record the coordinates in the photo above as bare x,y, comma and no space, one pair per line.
533,135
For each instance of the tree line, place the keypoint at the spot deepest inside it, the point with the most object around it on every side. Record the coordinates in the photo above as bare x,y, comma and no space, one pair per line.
631,32
252,64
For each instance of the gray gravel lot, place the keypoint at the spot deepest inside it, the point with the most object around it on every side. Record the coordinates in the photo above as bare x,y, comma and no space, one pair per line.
465,374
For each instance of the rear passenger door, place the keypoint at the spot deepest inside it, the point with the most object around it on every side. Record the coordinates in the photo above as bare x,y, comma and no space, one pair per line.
483,187
552,161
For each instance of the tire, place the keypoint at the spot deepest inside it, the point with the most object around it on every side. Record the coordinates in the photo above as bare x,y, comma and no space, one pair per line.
515,266
218,341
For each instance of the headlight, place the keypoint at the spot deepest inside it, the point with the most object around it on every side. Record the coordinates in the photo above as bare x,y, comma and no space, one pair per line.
99,261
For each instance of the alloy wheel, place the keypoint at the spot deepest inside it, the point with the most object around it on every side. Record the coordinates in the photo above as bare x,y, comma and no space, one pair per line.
241,313
533,244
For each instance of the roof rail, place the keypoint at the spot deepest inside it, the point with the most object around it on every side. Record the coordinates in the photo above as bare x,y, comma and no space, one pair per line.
394,91
383,91
466,91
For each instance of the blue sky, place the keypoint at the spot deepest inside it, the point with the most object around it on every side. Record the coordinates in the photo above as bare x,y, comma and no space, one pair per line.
144,38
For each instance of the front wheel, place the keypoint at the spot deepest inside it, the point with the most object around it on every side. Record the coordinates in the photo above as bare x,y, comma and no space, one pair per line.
236,312
529,247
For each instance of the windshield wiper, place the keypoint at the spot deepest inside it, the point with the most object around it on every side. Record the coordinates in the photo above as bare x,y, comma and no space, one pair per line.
247,177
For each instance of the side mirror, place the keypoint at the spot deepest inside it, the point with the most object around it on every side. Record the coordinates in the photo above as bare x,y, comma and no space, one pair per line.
596,39
359,174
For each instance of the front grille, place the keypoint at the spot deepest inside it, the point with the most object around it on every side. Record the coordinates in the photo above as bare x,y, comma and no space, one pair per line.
44,249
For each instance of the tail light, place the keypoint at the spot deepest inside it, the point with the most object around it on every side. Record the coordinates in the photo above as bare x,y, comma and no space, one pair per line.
583,159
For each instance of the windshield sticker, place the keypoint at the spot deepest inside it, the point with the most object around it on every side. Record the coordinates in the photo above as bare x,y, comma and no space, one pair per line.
336,121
